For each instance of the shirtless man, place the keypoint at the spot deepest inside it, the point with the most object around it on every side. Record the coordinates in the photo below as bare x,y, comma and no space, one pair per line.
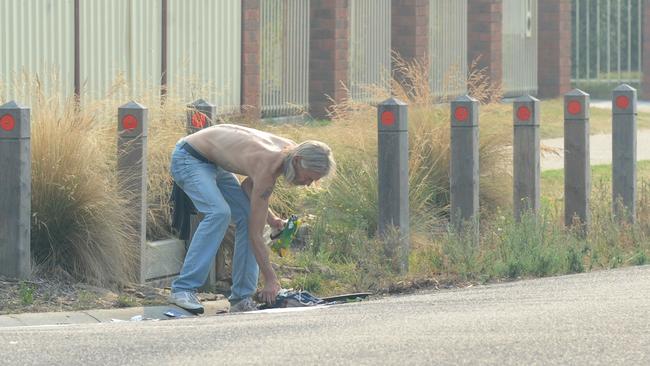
204,166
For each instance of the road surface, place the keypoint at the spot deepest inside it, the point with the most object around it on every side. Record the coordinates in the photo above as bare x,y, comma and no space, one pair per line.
596,318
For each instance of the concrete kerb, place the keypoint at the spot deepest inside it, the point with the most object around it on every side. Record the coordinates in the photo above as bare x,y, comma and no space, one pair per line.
106,315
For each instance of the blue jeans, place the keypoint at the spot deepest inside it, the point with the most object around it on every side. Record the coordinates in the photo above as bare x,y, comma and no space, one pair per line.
217,194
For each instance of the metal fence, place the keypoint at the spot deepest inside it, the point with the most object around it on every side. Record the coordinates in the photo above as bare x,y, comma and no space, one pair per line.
284,59
448,48
120,49
370,58
205,51
36,37
519,47
607,41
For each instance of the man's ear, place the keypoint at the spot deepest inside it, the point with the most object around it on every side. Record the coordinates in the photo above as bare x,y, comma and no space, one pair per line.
297,161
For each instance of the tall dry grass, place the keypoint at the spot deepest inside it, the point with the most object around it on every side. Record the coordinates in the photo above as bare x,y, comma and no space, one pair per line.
79,223
429,133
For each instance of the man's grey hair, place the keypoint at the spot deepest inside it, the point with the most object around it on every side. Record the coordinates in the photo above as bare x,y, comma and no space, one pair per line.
315,156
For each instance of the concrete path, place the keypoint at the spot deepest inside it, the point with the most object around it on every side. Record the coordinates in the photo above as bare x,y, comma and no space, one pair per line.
641,105
105,315
600,145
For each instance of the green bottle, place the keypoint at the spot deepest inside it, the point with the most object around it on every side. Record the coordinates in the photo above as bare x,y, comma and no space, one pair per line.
282,240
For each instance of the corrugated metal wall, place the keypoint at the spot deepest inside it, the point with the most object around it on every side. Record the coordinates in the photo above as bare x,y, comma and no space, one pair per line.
120,45
205,51
519,47
37,37
370,58
448,47
284,65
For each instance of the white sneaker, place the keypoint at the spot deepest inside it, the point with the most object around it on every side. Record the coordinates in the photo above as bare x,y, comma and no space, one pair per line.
247,304
186,300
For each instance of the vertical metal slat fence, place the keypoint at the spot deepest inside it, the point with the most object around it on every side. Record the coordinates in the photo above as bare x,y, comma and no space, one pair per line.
284,59
370,58
448,47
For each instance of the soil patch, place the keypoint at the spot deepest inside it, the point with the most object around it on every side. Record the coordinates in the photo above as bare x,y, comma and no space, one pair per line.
48,295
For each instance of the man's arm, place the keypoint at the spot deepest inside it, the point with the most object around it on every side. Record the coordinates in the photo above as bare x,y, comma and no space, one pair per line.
272,219
259,197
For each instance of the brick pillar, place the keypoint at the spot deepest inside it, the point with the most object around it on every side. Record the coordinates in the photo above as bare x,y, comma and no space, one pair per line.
484,38
409,32
410,28
645,85
554,48
250,59
329,43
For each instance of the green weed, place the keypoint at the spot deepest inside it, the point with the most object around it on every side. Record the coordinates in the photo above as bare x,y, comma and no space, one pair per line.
26,293
125,301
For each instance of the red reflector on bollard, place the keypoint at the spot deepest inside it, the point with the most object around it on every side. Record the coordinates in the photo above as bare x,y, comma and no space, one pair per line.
622,102
461,114
7,122
523,113
129,122
198,120
387,118
574,107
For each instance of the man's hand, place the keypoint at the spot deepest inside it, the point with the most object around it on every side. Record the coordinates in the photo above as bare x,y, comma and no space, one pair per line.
269,292
276,223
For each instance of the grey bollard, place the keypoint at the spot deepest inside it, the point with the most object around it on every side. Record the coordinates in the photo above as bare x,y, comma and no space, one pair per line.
200,114
624,152
15,191
526,158
132,125
393,176
577,168
464,164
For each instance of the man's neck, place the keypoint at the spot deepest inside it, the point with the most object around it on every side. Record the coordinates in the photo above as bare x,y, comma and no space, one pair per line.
279,171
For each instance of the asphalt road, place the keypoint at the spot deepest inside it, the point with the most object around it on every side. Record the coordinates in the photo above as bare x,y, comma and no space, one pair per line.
585,319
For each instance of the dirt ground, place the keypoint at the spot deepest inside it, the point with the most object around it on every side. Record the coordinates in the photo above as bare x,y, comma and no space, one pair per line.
62,293
46,295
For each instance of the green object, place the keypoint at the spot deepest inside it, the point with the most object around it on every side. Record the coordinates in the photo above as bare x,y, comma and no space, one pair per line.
282,240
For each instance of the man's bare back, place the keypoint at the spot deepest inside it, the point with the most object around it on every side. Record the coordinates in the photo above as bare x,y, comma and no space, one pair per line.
241,150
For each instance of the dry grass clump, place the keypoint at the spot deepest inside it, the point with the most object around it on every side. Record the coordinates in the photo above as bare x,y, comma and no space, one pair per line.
429,134
79,221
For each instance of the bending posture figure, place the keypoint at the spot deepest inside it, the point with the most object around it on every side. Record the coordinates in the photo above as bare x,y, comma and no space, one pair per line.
204,165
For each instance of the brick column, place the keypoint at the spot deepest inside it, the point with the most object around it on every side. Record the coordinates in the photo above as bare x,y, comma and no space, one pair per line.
250,59
329,43
484,38
410,28
409,32
645,85
554,48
